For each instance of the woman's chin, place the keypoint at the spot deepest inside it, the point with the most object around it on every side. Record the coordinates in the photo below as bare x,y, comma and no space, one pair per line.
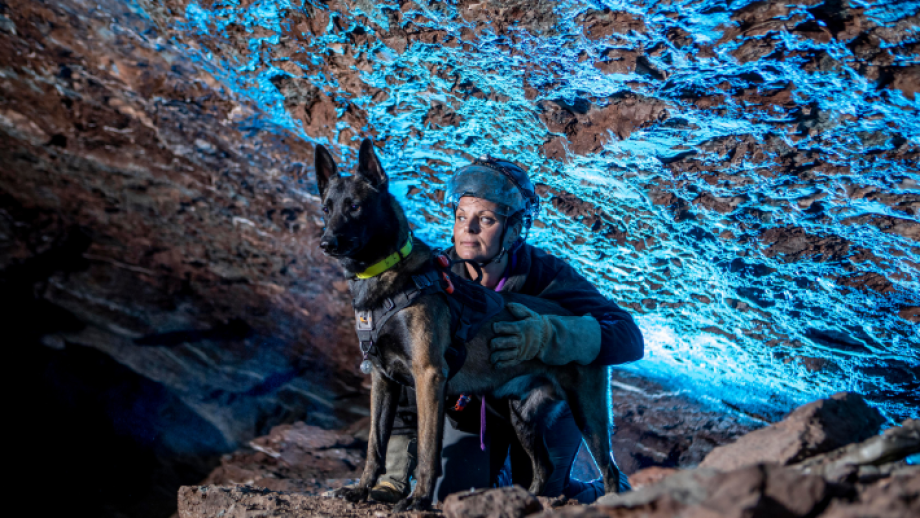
468,253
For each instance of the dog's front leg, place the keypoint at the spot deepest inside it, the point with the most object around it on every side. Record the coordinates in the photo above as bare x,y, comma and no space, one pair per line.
384,398
430,383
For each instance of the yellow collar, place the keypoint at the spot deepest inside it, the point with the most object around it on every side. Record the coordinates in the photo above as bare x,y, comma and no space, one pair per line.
388,261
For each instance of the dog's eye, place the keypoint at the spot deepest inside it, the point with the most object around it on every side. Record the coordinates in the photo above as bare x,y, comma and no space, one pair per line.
354,206
325,210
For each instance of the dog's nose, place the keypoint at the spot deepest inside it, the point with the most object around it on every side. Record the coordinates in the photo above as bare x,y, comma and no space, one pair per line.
328,244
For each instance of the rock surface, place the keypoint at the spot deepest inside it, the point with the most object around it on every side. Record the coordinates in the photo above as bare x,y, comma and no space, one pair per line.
505,502
248,502
715,166
860,462
296,458
879,483
815,428
654,427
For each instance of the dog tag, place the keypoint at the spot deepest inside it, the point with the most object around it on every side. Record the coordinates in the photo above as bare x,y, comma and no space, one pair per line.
367,366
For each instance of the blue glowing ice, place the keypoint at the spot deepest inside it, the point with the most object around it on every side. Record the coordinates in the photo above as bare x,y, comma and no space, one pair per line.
730,318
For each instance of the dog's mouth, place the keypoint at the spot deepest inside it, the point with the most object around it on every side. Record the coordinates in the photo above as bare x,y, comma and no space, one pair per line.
349,251
340,253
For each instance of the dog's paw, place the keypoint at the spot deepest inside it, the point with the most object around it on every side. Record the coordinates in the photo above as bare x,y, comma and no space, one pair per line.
351,494
411,503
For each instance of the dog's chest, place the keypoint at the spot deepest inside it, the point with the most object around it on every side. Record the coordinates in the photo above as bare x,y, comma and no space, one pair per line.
393,364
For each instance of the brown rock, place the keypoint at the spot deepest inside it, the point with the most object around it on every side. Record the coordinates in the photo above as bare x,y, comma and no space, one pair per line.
649,476
505,502
763,490
897,497
888,449
604,23
248,502
888,224
811,429
295,457
792,244
911,313
905,79
585,126
678,491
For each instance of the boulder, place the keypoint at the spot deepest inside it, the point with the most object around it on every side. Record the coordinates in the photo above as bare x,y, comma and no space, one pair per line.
898,497
815,428
871,459
649,476
504,502
762,490
294,457
874,478
682,489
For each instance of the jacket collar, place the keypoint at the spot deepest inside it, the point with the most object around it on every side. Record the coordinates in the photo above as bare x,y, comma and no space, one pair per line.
516,278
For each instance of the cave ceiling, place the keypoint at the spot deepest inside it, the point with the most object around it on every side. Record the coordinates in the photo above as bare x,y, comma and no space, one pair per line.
742,176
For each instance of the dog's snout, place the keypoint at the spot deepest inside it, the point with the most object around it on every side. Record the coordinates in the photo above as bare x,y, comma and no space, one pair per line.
328,244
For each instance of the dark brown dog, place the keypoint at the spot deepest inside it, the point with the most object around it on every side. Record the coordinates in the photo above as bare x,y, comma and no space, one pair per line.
364,224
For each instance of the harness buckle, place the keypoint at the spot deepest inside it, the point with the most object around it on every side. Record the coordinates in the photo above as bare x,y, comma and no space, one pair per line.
364,320
421,281
388,304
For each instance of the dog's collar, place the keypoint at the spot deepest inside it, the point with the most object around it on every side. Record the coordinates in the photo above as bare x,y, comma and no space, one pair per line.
388,261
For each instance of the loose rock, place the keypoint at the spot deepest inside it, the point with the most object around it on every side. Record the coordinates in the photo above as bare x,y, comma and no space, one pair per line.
814,428
505,502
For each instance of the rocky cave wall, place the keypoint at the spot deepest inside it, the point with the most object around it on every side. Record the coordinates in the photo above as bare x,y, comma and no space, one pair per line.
743,176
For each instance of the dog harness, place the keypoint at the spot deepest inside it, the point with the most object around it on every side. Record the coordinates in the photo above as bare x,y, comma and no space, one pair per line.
471,306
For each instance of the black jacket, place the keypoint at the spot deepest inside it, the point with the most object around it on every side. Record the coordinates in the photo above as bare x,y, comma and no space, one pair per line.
539,274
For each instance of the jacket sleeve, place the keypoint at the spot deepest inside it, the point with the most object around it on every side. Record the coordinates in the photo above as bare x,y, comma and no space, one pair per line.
621,339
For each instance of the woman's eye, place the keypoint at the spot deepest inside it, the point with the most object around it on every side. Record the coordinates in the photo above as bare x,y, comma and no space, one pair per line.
461,218
486,221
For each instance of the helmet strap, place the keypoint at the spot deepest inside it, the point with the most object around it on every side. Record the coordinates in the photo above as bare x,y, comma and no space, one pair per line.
498,256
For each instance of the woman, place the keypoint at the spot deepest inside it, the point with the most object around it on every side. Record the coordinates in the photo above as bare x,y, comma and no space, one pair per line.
494,205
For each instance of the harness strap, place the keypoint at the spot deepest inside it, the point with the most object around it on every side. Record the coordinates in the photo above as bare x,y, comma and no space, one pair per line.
369,323
470,306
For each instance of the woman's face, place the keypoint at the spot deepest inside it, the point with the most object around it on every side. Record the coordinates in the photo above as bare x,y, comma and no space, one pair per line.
478,227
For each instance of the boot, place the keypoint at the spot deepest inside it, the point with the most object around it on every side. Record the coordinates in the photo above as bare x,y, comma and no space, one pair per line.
401,462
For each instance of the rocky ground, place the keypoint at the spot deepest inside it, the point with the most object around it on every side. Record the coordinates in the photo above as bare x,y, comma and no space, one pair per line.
824,459
655,427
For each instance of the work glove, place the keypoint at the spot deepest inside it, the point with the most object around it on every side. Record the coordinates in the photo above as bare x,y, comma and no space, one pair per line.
552,339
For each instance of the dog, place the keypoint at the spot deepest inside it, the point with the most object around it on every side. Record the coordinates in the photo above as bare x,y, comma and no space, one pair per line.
365,224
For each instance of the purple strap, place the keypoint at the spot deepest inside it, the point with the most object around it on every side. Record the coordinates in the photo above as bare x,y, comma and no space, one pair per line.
501,283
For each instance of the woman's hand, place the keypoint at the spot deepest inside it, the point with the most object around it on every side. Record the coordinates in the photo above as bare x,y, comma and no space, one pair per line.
552,339
520,340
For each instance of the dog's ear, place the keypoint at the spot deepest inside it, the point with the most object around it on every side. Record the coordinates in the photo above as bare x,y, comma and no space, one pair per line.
369,166
325,168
